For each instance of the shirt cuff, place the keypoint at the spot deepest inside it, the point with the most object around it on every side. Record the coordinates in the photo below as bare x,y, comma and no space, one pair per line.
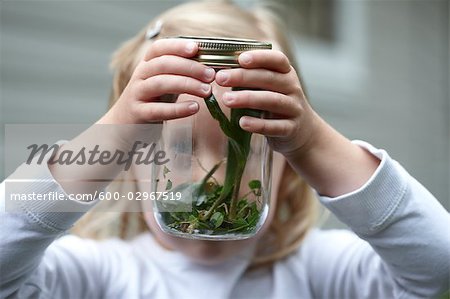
29,181
370,208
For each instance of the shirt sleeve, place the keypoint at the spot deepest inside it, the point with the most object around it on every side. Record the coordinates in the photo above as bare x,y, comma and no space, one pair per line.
27,270
406,233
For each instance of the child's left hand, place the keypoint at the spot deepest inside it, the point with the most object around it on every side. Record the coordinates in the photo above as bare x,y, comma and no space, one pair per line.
292,120
328,161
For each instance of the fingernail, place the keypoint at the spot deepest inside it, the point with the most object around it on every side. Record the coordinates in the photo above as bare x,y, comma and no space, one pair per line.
244,122
245,58
222,77
206,87
193,107
228,98
190,47
209,74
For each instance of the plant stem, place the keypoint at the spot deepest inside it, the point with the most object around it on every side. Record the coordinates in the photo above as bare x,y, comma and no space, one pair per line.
238,150
235,195
213,207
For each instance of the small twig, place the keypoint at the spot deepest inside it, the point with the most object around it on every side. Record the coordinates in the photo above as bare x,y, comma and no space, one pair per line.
224,206
207,171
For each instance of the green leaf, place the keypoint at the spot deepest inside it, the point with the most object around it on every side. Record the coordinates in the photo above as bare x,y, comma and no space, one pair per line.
216,113
239,222
217,219
169,185
242,203
254,184
254,215
165,171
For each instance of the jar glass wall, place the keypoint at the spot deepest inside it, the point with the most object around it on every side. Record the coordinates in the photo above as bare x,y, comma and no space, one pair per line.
218,177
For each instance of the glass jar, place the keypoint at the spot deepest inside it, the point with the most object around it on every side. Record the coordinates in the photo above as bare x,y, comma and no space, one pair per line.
218,176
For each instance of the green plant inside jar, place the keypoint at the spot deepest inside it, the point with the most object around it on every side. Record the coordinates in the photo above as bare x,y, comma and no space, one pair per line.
221,208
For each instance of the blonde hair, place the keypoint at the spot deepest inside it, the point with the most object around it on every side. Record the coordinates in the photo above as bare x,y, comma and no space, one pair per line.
296,209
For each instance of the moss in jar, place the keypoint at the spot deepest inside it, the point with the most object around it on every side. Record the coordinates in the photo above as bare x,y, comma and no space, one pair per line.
218,208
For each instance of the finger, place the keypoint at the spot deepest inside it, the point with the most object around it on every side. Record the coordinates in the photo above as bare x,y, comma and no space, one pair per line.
170,84
170,64
255,78
171,46
273,102
156,112
265,59
268,127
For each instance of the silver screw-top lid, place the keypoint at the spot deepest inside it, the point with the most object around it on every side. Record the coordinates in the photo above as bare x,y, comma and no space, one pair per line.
219,52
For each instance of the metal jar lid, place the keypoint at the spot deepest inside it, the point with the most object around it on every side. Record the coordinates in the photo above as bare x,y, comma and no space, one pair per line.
221,52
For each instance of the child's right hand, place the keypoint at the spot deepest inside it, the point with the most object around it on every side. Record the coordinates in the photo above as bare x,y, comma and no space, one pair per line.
164,69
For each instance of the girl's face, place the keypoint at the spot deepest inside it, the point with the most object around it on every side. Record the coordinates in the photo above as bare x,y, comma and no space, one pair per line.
205,251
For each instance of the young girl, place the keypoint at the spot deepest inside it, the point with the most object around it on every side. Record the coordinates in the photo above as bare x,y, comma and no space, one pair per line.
399,247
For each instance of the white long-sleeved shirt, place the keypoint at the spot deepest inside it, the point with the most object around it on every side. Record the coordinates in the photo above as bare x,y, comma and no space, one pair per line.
399,248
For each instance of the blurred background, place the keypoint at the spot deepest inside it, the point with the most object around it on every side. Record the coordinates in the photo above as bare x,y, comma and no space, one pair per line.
376,70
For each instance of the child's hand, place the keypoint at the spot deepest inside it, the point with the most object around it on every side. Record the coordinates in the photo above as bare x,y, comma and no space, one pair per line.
328,161
291,120
165,70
